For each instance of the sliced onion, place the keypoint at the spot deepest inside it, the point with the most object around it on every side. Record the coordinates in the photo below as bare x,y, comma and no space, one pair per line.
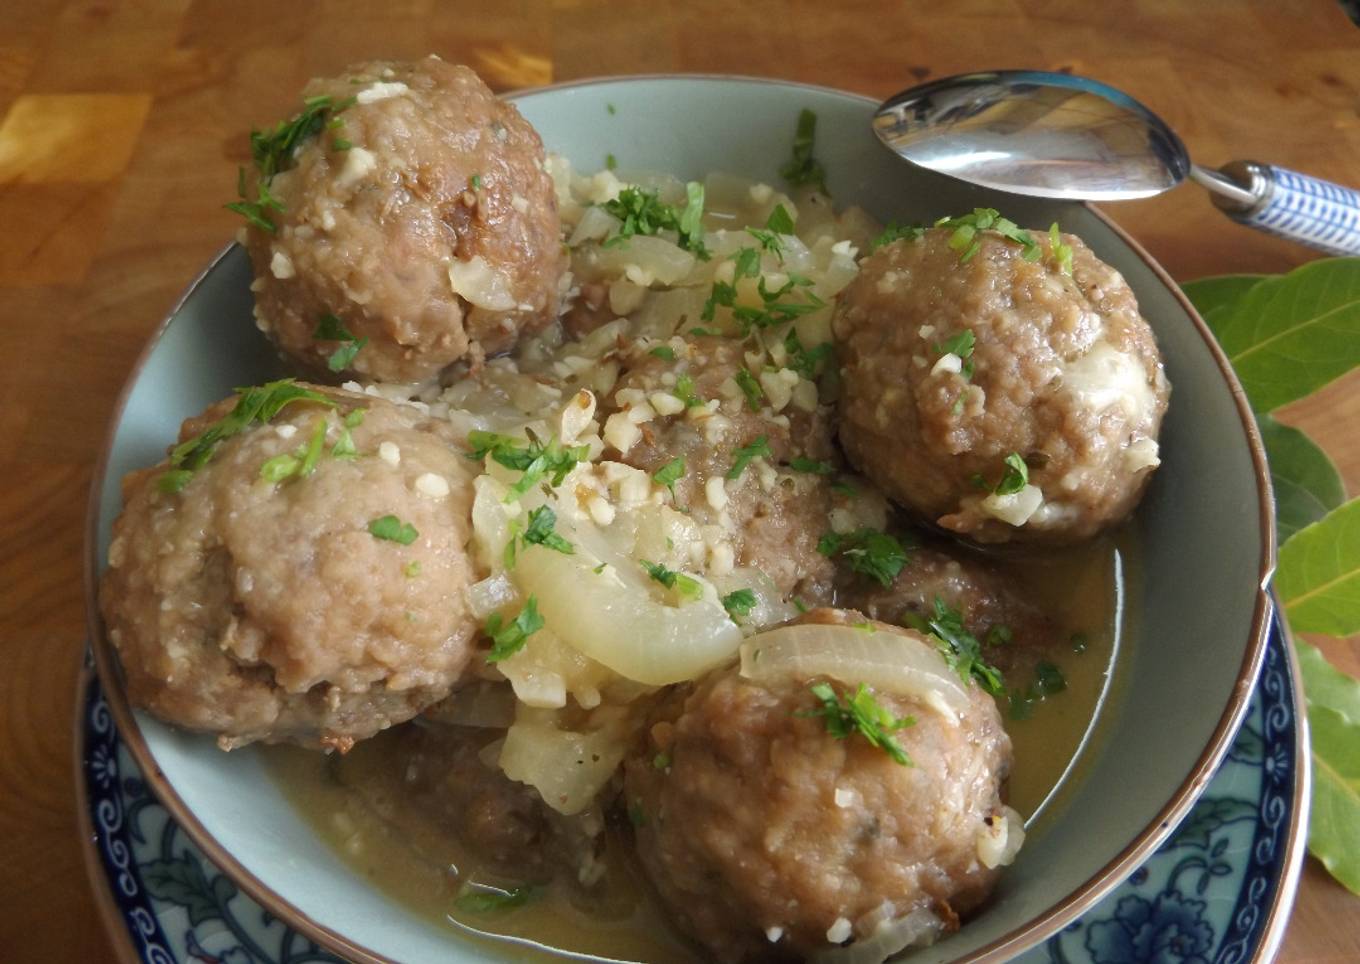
920,928
489,595
656,259
1001,838
595,224
569,769
902,663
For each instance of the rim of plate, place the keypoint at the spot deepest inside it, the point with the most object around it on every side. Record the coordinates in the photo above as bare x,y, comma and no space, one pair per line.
1057,916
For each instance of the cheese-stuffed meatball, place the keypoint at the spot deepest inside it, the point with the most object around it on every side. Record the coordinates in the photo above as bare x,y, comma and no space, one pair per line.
1004,390
411,218
295,571
780,812
754,449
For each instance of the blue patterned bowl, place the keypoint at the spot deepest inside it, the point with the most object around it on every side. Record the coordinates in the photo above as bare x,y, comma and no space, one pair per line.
1206,528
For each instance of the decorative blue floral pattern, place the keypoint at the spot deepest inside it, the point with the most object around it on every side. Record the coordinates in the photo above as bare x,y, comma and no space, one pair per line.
1204,897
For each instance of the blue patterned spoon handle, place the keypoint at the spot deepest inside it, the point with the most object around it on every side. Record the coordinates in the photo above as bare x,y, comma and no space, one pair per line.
1291,205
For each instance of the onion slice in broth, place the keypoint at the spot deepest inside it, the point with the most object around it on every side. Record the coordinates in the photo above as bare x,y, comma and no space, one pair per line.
900,662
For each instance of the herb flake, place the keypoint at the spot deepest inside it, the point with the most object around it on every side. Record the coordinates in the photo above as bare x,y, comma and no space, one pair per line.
861,714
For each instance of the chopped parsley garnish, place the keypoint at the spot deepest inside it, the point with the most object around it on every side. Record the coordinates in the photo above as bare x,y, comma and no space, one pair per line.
611,108
684,390
739,602
845,489
1062,252
663,351
492,901
670,473
280,467
1048,681
312,453
803,168
610,162
897,232
1016,477
331,328
509,638
255,405
811,466
392,529
806,361
868,551
999,635
272,151
962,346
861,714
681,583
968,227
411,569
340,144
779,220
960,648
769,241
541,532
535,459
760,448
799,605
661,761
643,212
774,311
749,387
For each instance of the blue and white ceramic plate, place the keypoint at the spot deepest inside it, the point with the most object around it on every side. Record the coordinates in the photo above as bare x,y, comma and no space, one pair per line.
1219,890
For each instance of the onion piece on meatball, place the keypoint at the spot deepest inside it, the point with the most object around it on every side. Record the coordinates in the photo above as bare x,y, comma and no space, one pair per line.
774,828
1000,395
414,219
301,580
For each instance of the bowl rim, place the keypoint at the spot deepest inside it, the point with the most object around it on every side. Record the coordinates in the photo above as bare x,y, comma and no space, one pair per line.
1003,948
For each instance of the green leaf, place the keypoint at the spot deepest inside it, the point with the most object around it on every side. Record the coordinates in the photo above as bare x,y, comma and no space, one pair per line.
1334,828
1318,576
1326,685
1306,482
1290,335
1210,295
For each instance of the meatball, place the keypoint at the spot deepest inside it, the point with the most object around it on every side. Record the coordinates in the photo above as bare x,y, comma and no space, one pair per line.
502,823
998,395
768,837
305,585
1014,631
422,220
684,402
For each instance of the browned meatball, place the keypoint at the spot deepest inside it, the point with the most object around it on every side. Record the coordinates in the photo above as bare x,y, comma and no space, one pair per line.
271,610
772,514
769,838
500,821
950,366
1013,630
434,234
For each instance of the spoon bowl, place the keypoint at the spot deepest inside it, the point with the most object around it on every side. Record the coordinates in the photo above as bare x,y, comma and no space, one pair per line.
1035,133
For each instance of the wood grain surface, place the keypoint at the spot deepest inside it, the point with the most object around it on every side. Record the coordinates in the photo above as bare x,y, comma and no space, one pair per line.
121,126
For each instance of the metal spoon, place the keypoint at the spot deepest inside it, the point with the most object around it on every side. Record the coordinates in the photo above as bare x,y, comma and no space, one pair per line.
1057,136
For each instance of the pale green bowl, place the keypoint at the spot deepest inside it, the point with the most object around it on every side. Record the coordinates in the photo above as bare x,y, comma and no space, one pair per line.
1206,527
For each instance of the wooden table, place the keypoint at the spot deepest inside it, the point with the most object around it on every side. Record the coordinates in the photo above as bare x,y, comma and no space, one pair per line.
123,125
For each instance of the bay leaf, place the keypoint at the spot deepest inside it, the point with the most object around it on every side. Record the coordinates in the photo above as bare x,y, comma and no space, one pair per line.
1307,484
1211,296
1327,686
1288,336
1318,575
1334,826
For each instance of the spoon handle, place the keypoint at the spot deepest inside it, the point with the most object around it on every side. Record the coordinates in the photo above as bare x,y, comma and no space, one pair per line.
1291,205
